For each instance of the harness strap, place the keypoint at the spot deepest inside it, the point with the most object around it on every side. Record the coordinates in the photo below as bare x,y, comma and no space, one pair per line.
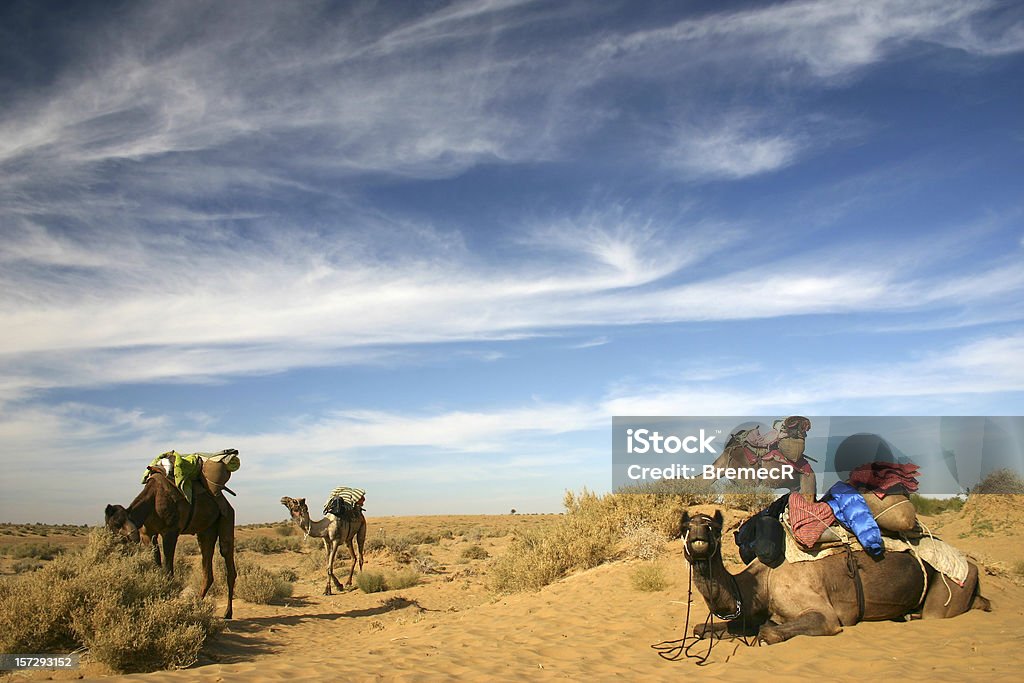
853,569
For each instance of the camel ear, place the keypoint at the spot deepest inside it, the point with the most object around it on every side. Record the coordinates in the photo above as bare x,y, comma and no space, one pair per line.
109,511
718,517
686,517
301,501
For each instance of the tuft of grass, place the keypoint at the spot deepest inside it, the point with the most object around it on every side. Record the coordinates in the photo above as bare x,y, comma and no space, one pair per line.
649,578
371,582
111,599
285,529
377,582
1018,568
403,578
475,552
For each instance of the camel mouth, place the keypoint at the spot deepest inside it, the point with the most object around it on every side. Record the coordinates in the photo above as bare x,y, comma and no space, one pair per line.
699,548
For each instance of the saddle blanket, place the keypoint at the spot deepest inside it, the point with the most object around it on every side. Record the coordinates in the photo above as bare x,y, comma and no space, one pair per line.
940,555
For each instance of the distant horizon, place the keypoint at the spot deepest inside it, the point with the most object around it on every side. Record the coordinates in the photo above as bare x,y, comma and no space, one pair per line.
431,251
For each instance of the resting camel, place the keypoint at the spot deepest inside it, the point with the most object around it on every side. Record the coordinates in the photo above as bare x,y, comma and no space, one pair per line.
161,509
816,598
333,530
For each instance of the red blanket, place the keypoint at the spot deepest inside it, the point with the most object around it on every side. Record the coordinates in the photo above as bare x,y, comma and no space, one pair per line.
879,477
809,520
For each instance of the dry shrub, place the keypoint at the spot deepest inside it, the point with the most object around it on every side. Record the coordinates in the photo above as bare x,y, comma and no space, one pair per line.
376,582
1004,481
253,583
111,599
642,541
593,526
403,578
475,552
285,529
649,578
256,584
371,582
39,551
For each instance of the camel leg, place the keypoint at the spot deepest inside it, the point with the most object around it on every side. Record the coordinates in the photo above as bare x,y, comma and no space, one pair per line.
330,569
946,599
226,541
153,541
716,630
352,552
809,623
207,543
170,542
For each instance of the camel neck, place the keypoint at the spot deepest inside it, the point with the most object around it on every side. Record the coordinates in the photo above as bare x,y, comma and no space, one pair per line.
720,589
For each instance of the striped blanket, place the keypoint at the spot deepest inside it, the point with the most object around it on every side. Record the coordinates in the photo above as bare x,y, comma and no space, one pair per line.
352,497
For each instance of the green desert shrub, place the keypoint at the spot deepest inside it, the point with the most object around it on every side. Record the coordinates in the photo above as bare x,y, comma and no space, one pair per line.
935,506
371,582
111,599
649,578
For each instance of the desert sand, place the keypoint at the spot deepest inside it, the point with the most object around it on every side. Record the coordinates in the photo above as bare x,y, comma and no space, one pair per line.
592,625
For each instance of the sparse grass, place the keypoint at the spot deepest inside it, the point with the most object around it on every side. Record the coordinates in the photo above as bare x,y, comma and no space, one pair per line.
475,552
266,545
1018,568
39,551
110,599
286,529
649,578
27,565
935,506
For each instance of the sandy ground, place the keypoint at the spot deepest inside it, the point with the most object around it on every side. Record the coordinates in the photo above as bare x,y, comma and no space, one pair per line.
594,625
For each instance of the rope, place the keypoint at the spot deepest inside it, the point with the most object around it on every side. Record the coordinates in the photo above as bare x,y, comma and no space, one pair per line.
673,650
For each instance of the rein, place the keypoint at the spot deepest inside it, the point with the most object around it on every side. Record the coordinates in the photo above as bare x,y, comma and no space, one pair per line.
673,650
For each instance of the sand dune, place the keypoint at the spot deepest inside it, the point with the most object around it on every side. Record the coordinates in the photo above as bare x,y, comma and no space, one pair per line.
594,625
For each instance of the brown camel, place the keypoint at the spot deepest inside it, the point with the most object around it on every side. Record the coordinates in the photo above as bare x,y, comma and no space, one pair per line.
817,598
161,509
333,530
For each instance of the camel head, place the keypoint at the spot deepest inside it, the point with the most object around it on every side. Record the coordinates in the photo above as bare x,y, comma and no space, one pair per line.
702,536
297,508
117,521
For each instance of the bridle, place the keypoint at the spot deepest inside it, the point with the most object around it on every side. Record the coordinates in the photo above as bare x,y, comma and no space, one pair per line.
716,545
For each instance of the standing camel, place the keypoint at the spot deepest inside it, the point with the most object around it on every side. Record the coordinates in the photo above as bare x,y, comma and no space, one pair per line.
817,598
161,509
333,530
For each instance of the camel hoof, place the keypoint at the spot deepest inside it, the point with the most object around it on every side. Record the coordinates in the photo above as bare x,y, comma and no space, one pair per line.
769,636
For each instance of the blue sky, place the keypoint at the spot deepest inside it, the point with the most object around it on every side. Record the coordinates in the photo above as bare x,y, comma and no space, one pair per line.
430,249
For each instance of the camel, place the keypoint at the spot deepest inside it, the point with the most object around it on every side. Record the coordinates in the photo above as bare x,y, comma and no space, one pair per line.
816,598
733,456
333,530
161,509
